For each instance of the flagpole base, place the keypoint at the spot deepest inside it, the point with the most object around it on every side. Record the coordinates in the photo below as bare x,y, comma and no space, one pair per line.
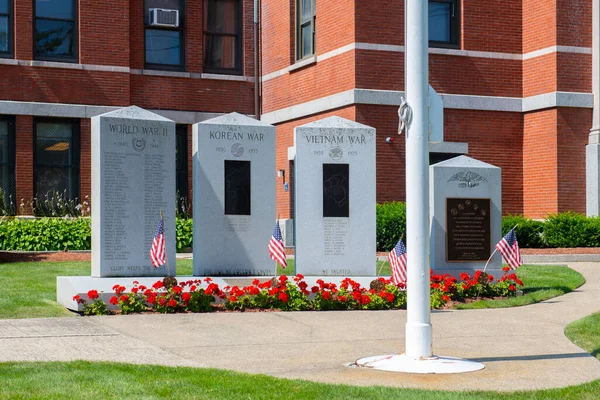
432,365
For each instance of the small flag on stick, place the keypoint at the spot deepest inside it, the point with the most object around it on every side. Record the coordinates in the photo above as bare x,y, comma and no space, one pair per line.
397,260
509,248
158,251
276,249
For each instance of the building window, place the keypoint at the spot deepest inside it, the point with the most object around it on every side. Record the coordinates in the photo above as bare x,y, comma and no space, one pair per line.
6,28
7,166
443,23
181,168
56,159
55,30
223,36
305,28
165,34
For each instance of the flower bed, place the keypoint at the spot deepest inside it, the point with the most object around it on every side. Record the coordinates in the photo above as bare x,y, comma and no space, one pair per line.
293,295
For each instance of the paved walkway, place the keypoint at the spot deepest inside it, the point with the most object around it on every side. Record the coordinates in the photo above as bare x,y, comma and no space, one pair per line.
522,348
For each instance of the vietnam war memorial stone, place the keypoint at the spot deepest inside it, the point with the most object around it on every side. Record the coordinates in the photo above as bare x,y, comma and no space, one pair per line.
334,198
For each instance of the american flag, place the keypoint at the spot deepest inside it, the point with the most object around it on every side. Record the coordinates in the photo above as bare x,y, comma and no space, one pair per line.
158,251
509,248
397,259
276,250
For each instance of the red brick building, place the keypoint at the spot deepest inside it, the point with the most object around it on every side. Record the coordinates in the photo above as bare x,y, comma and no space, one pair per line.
515,78
65,61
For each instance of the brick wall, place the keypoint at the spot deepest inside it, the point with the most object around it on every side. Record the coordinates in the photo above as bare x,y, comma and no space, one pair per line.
24,157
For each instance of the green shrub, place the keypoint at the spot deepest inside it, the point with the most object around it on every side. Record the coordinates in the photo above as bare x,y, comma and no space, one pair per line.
570,229
391,224
185,233
45,234
529,232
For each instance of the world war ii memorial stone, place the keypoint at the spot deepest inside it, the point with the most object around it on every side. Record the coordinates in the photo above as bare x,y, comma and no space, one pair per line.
234,196
465,215
334,198
133,179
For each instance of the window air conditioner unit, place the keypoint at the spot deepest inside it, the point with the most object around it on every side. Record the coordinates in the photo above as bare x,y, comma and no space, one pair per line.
164,17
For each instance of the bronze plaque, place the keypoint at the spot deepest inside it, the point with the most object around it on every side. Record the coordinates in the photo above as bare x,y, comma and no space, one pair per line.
468,235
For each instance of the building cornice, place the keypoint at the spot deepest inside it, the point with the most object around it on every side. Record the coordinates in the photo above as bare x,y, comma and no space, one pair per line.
451,101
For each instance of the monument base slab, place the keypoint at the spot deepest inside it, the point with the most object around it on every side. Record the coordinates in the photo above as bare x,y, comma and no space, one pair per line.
433,365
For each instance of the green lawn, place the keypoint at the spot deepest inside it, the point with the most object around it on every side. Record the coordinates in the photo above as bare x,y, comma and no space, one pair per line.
82,380
29,289
109,380
542,282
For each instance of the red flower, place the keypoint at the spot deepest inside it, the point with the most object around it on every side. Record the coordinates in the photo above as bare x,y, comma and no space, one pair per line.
356,295
76,298
390,298
124,298
505,269
283,297
299,276
365,299
186,297
207,280
158,285
302,285
177,289
142,288
283,279
93,294
172,303
314,289
114,300
134,290
435,285
193,288
152,298
326,295
342,299
490,278
256,282
233,299
446,298
162,301
464,276
512,288
136,283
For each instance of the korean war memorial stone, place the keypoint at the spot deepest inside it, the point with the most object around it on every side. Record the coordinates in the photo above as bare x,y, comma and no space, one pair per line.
234,196
133,179
334,198
465,215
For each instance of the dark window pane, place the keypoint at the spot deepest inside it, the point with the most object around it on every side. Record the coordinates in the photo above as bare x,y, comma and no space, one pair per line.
4,142
3,34
220,51
237,187
3,6
57,180
439,22
62,9
221,16
54,38
306,13
306,40
163,47
54,143
336,190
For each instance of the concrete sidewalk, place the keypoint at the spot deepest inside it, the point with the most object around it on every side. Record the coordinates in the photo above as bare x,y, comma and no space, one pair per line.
522,348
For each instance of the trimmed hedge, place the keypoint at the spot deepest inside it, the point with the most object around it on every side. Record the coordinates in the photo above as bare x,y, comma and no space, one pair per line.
45,234
391,224
48,234
529,232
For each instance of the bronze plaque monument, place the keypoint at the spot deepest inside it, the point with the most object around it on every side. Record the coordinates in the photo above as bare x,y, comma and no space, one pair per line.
468,235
